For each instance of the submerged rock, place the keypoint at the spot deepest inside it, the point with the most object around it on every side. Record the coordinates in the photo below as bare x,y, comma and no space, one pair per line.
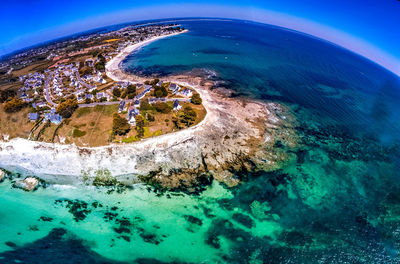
29,184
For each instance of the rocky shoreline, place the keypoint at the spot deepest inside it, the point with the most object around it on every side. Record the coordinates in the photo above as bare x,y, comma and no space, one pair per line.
237,135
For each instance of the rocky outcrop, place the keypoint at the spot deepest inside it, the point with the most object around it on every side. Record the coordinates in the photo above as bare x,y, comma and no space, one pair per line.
2,175
28,184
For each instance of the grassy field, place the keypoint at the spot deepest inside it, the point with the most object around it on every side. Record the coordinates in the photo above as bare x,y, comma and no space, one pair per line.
15,124
89,126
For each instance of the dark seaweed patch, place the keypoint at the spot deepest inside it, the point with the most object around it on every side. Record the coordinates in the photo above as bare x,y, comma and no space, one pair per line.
243,219
193,220
78,208
45,219
56,247
11,244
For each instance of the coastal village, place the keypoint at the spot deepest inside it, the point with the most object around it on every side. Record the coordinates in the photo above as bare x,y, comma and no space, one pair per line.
61,93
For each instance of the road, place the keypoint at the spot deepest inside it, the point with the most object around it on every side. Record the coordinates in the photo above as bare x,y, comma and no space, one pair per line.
78,77
101,103
46,90
130,101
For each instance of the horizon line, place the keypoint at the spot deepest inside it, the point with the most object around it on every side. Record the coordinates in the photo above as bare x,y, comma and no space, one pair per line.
257,15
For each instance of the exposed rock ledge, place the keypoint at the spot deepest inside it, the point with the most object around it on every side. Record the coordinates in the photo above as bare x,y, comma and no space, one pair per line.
236,135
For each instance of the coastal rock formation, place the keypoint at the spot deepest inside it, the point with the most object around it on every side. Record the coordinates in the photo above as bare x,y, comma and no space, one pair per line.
28,184
2,174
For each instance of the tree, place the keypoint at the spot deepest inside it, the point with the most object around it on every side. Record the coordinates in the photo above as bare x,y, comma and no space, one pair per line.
185,119
13,105
150,117
116,92
162,107
131,89
140,125
196,99
100,66
120,125
67,108
85,71
88,101
160,91
144,105
189,116
6,94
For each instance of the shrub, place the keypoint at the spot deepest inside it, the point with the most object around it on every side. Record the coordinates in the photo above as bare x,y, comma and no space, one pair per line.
140,125
120,125
78,133
130,139
116,92
67,108
6,95
160,91
162,107
145,106
150,117
13,105
104,178
131,89
185,119
196,99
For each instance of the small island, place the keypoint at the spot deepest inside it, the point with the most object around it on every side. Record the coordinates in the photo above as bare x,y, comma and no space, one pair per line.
62,93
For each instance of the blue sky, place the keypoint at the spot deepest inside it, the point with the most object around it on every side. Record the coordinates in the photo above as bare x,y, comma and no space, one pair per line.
369,27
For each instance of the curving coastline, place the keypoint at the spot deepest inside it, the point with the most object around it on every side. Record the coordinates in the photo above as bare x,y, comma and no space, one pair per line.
235,135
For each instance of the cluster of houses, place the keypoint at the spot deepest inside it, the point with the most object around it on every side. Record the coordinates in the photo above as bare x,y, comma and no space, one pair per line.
132,108
32,82
62,79
51,116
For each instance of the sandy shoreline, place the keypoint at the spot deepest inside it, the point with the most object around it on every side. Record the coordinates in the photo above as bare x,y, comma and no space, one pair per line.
115,72
113,69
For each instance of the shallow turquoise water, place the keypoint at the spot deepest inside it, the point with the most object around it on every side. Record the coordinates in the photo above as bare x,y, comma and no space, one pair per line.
337,199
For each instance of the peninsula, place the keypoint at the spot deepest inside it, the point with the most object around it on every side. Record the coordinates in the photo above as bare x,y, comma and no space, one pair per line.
115,127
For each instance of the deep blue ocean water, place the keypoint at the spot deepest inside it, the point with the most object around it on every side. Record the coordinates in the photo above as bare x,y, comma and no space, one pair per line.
337,200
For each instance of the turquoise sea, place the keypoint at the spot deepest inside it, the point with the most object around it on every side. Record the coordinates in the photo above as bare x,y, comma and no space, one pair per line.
337,200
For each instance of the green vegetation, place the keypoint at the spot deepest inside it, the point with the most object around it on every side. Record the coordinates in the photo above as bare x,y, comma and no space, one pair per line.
67,108
6,94
83,111
140,125
185,118
162,107
130,139
160,91
145,106
120,125
129,92
13,105
101,64
78,133
146,132
196,99
116,92
85,70
104,178
150,117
